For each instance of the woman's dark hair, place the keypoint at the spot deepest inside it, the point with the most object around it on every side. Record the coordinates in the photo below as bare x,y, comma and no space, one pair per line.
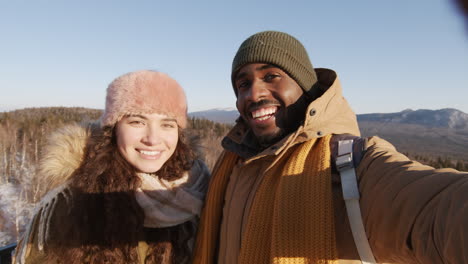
106,220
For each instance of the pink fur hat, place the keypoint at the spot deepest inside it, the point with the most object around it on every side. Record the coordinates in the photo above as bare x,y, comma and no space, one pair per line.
144,92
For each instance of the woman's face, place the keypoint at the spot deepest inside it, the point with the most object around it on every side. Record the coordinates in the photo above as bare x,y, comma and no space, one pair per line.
147,141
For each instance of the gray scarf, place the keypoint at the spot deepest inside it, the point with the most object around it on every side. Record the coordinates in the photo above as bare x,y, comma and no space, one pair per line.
169,203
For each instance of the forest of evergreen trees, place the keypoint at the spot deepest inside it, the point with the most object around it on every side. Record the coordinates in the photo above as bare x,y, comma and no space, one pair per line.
23,133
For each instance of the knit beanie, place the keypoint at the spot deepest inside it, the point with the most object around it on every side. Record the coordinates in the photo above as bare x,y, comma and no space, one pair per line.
279,49
144,92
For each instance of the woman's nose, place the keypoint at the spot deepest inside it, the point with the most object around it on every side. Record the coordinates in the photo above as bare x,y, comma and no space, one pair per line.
151,136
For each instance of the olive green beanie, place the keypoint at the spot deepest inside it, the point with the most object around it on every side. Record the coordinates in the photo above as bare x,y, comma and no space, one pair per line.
279,49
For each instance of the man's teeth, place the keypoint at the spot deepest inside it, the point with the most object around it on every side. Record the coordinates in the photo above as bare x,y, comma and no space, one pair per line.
262,118
151,153
263,113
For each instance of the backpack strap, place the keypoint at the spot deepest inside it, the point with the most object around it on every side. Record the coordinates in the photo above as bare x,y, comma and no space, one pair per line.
345,166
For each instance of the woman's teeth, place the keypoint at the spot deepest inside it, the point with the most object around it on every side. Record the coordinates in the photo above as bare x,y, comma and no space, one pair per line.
151,153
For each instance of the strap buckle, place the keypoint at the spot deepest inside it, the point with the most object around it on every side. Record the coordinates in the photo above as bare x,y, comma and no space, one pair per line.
344,162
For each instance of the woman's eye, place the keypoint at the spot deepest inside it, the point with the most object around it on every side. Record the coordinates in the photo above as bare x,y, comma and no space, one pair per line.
169,125
136,122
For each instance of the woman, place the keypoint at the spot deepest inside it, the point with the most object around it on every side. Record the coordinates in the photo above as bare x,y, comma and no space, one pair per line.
138,190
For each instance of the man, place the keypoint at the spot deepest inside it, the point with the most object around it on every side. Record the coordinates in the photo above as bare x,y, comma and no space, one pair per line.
275,196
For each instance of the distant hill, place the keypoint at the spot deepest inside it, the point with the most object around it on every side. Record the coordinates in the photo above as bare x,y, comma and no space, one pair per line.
38,115
441,132
443,118
220,115
433,133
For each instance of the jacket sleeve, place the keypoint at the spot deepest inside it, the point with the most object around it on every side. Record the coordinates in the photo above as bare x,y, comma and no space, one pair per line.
412,213
46,226
27,250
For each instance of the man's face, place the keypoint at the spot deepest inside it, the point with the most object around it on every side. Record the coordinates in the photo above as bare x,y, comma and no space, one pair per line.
270,102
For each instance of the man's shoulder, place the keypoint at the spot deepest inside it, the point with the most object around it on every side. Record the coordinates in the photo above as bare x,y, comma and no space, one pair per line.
359,146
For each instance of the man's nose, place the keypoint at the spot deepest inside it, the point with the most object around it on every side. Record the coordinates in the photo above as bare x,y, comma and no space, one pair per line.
257,91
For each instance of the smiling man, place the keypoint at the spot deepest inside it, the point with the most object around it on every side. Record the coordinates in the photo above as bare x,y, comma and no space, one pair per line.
276,196
269,101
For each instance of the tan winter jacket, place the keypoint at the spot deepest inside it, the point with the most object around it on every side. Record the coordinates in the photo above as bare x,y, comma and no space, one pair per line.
412,213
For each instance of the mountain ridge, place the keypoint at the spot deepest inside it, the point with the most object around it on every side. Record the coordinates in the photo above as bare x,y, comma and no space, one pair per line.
446,117
442,132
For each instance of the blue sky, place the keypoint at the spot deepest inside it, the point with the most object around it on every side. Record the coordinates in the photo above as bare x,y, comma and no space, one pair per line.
389,55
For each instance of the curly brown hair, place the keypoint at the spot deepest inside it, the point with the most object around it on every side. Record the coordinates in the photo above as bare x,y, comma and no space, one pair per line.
106,220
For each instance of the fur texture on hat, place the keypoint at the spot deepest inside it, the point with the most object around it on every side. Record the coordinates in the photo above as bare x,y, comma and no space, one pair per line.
144,92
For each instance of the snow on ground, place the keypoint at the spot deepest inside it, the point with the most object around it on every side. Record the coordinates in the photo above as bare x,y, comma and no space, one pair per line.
15,213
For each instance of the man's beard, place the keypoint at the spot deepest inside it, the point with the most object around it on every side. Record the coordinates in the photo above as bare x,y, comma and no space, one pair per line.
267,140
291,118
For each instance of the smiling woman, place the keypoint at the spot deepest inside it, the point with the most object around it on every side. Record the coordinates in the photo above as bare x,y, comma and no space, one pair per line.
137,193
147,141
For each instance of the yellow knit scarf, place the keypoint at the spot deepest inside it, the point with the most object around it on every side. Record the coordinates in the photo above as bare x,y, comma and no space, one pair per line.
291,220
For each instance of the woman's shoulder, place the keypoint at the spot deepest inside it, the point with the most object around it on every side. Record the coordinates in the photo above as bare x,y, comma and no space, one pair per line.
199,167
49,221
198,178
200,170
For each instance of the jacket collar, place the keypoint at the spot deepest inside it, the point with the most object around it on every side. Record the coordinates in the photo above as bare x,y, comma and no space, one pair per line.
330,113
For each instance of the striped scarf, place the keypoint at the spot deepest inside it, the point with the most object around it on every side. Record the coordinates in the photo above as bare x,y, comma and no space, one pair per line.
291,219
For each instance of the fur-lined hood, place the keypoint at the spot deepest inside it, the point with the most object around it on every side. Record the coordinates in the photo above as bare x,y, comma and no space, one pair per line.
62,155
65,150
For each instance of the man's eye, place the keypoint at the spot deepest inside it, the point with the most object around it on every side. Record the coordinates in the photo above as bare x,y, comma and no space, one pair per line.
270,77
242,84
